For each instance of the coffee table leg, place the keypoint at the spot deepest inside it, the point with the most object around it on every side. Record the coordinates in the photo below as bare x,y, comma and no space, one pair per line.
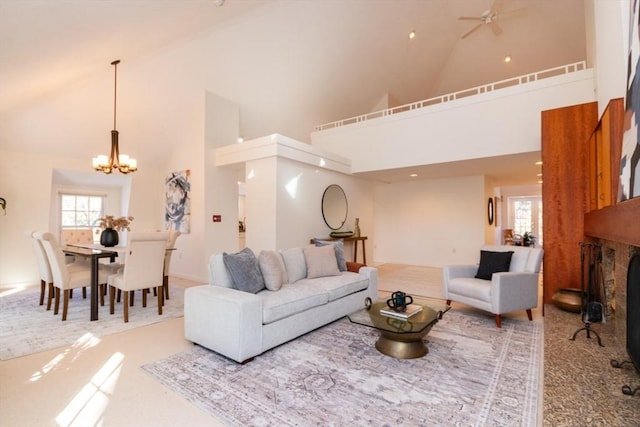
94,288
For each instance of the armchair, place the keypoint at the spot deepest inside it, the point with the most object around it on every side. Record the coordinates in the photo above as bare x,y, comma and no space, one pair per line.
513,290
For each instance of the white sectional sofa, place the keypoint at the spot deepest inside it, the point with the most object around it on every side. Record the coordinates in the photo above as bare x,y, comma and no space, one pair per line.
303,296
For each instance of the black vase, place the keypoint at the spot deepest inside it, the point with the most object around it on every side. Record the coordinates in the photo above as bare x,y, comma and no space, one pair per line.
109,237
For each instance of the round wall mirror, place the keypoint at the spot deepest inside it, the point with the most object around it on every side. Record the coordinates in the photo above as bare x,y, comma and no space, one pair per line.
334,206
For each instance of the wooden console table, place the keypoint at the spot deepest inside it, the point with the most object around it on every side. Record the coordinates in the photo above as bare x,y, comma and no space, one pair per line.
355,241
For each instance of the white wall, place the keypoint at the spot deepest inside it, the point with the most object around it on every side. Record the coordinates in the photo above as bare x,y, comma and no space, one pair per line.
493,124
430,222
284,204
27,183
611,39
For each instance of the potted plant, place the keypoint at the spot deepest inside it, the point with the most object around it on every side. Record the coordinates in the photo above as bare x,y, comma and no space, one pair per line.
528,239
110,225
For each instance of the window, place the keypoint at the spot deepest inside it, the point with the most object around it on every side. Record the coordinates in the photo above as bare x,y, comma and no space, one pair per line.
525,215
80,211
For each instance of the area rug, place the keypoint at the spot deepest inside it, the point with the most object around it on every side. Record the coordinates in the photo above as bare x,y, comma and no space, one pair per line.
29,328
474,375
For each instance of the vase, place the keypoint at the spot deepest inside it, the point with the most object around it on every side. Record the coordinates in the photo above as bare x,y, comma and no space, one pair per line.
109,237
356,231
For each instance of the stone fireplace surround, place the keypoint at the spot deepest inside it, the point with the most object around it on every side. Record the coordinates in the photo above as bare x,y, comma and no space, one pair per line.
616,228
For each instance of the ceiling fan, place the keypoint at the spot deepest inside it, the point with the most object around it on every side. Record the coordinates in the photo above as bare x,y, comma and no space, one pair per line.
488,17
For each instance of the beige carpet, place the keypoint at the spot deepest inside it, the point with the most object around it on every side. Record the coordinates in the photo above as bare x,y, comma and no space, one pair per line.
412,279
29,328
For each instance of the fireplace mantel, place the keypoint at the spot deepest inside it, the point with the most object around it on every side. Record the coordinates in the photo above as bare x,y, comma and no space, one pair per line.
618,223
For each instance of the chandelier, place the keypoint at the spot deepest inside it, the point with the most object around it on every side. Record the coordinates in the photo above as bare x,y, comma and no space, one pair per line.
122,162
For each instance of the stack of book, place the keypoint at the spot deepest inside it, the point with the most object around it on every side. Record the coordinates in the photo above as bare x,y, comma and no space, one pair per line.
412,310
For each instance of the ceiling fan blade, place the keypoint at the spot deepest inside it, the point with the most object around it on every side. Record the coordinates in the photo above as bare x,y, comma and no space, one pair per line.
470,18
465,35
495,28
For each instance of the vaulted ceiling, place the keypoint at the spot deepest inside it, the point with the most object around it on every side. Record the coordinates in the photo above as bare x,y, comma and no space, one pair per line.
348,54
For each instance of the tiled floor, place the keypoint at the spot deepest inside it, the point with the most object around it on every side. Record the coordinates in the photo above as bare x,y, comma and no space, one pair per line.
581,388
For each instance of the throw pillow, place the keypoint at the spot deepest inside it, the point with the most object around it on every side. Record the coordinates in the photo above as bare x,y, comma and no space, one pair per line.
493,262
272,268
321,261
294,263
338,245
244,270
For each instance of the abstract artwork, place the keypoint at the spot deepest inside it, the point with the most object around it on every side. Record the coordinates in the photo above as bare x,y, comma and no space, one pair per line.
178,202
630,159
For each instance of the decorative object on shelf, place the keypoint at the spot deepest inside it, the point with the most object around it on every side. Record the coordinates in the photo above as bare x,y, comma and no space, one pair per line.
341,234
399,301
118,161
357,228
3,205
242,227
110,226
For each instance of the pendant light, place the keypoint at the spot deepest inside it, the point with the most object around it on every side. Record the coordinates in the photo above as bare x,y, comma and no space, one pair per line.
122,162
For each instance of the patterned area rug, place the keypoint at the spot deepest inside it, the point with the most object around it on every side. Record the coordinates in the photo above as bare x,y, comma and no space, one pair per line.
29,328
474,375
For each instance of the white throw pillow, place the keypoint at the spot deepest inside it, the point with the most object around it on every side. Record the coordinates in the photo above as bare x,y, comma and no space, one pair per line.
272,268
295,264
321,261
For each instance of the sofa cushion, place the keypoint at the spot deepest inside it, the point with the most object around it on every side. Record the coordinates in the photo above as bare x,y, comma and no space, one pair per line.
321,261
337,287
493,262
289,300
272,269
218,273
338,245
294,263
244,270
478,289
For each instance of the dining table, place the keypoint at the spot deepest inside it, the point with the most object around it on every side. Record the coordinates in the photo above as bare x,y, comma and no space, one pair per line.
94,252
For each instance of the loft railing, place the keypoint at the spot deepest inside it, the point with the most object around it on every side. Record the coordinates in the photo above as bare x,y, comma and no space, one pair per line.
515,81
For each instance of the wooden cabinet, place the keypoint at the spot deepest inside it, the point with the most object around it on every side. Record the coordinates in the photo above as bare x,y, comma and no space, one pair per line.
565,192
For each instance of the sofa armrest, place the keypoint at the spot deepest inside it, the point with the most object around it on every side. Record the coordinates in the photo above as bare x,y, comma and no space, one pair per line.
514,291
450,272
224,320
371,273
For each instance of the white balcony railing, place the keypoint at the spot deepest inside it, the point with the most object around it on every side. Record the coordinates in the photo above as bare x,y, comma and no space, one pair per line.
478,90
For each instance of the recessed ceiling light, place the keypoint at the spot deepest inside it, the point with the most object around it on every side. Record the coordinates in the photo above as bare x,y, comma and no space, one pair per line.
412,35
413,175
507,58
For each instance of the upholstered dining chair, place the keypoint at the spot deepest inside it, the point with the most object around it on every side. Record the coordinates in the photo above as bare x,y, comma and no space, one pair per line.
143,269
65,276
171,246
46,278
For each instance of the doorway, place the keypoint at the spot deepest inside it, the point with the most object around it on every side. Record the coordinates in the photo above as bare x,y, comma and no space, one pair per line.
525,215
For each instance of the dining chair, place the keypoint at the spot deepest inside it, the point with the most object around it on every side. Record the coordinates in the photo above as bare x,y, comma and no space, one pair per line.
143,269
171,246
46,278
65,276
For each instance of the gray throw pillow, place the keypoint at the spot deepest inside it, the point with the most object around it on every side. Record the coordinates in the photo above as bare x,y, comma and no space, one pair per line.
493,262
338,246
244,270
